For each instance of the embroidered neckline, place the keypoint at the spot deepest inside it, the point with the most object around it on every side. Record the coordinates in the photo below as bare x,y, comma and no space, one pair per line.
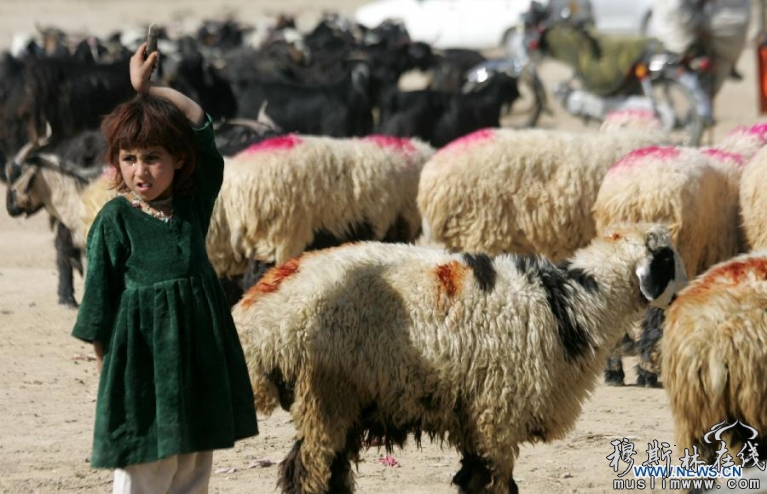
162,209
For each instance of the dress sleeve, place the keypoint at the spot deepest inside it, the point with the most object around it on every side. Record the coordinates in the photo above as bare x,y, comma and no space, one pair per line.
209,173
104,282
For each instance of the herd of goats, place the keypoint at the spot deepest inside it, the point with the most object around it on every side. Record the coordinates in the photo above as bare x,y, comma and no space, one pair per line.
411,162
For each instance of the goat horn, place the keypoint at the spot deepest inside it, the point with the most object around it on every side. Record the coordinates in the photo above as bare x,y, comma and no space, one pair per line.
27,148
264,119
255,125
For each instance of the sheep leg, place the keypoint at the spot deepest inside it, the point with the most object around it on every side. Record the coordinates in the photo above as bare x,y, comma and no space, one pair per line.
649,348
478,476
614,371
67,258
324,416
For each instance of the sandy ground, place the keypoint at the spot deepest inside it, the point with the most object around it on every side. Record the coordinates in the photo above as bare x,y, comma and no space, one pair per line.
48,381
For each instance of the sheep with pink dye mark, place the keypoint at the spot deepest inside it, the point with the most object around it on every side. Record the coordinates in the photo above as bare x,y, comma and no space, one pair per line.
520,191
294,193
694,192
679,187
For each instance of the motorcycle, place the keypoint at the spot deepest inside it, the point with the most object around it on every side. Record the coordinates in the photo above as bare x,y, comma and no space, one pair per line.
614,74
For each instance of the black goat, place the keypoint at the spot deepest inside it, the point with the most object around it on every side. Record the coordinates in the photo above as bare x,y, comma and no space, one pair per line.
200,81
439,117
342,109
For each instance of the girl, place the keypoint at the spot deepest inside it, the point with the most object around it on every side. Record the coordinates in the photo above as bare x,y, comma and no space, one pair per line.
174,385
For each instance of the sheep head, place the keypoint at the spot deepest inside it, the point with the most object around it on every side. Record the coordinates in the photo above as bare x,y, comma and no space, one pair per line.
638,260
658,268
21,197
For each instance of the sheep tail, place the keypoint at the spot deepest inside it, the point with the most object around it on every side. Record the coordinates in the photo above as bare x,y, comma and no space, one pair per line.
717,377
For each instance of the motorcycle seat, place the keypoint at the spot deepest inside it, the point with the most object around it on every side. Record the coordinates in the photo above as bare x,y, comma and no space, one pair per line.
602,62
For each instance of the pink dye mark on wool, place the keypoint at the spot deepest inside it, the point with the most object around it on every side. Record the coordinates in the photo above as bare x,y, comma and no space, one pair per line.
274,144
759,129
724,156
637,157
402,144
469,140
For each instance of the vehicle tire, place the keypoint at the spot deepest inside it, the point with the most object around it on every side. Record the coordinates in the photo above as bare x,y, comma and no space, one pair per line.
527,109
677,111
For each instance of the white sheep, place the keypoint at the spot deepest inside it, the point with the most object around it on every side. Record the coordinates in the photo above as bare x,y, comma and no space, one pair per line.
522,191
680,187
753,201
381,340
714,354
694,193
293,193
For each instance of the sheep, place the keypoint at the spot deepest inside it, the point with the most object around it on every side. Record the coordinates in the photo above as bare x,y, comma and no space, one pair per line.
713,354
694,191
294,193
679,187
753,201
376,341
522,191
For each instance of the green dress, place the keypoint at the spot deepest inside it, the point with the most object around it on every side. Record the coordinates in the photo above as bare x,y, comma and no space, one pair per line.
174,378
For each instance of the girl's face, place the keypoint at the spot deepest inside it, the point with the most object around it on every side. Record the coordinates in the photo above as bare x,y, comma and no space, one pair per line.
149,172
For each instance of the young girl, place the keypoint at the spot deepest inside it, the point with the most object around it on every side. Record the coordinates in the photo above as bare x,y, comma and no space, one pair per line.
174,385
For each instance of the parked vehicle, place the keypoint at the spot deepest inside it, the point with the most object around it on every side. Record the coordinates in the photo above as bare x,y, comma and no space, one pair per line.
611,74
475,24
484,24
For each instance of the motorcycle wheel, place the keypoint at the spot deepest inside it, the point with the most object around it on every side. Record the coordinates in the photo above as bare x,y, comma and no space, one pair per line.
526,110
677,111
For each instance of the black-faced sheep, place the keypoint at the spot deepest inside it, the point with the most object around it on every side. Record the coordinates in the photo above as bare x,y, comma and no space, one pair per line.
379,340
714,351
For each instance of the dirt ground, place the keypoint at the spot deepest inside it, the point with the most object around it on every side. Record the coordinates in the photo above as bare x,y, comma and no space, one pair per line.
48,379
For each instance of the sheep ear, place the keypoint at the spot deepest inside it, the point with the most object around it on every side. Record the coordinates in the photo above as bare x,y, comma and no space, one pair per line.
661,275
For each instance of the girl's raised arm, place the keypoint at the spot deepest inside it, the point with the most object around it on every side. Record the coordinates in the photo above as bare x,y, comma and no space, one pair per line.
141,68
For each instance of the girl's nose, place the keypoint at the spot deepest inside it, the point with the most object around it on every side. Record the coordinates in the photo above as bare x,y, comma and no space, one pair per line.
142,168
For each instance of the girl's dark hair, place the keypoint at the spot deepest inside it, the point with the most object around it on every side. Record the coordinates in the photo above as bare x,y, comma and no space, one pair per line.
146,121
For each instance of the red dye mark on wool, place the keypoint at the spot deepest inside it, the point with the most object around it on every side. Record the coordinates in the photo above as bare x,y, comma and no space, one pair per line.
719,155
402,144
274,144
653,152
449,277
469,139
731,273
271,281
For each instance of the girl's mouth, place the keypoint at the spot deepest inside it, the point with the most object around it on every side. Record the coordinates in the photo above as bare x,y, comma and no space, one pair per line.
143,187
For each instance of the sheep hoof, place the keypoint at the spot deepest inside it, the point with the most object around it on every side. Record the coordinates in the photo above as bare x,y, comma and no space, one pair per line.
647,379
69,302
614,377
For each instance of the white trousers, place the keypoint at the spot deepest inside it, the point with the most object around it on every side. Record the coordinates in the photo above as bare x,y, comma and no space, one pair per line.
179,474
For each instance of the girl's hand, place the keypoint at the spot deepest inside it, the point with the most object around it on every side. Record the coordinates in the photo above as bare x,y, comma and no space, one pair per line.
141,68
